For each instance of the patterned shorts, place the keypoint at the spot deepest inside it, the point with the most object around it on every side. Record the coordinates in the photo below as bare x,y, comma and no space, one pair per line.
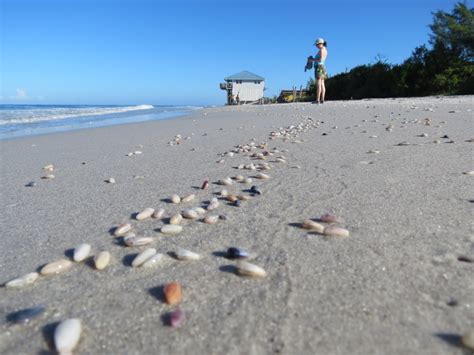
320,72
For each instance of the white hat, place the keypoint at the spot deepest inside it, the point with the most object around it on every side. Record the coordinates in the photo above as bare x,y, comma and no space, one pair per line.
319,40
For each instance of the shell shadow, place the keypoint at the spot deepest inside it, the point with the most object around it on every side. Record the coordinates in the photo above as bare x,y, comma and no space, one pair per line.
134,215
158,292
166,318
69,253
451,339
231,269
90,262
166,200
112,230
128,259
48,336
219,254
296,225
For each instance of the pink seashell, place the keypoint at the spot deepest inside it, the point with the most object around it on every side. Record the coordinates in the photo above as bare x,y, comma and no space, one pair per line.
176,318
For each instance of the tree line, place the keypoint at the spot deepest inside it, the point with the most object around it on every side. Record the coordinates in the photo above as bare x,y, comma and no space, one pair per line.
444,68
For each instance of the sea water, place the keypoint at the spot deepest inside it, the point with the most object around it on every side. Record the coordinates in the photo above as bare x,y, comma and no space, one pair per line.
25,120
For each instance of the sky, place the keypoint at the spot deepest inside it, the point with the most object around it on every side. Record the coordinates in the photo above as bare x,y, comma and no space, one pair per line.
166,52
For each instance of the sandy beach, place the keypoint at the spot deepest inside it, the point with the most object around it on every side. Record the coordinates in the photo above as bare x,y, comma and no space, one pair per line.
393,169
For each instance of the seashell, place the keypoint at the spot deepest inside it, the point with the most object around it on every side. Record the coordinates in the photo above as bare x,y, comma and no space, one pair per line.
224,193
175,198
237,203
238,178
176,219
245,268
122,229
101,260
143,256
133,241
212,206
129,154
137,152
48,177
200,211
81,252
468,339
211,219
237,253
171,229
56,267
255,190
31,184
232,198
110,180
188,198
226,181
67,335
173,293
247,181
176,318
146,213
183,254
159,213
205,185
129,235
153,261
470,173
243,197
280,160
314,226
190,214
262,176
25,316
335,231
22,280
373,151
241,166
49,167
329,218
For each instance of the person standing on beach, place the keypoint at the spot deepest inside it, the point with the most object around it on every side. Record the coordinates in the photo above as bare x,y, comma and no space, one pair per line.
320,72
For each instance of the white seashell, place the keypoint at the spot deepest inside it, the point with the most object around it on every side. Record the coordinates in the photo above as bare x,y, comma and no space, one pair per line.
176,219
262,176
470,173
373,151
153,261
335,231
190,214
48,177
159,213
133,241
212,206
280,160
143,256
67,335
226,181
49,167
248,181
188,198
314,226
171,229
183,254
241,166
175,198
122,229
247,269
129,154
224,193
137,152
110,180
22,280
56,267
101,260
211,219
81,252
238,178
199,210
146,213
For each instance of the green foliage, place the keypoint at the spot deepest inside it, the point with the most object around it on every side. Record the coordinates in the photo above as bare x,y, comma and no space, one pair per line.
446,68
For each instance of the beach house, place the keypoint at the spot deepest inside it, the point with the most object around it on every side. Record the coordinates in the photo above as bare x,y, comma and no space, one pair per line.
244,87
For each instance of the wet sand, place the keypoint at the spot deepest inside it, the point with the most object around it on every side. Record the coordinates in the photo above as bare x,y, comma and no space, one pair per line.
401,283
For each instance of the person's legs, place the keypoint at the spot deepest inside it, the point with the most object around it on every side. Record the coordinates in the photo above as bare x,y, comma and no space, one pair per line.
323,90
318,93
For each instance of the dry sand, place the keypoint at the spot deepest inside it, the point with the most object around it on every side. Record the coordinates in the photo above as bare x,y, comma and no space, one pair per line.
394,286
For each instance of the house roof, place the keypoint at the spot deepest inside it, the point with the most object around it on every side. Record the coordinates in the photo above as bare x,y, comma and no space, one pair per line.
244,76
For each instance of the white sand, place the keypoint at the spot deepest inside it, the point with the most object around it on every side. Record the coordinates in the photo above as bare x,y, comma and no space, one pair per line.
395,286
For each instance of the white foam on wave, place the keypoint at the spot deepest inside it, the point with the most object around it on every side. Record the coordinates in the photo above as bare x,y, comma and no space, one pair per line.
41,115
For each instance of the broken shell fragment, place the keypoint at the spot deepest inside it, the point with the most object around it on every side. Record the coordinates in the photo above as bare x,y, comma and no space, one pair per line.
153,261
183,254
224,193
205,185
48,167
330,218
133,241
334,231
143,256
188,198
81,252
312,225
48,177
176,318
22,280
173,293
212,206
171,229
67,335
122,229
211,219
237,253
110,180
159,213
175,198
101,260
245,268
176,219
146,213
56,267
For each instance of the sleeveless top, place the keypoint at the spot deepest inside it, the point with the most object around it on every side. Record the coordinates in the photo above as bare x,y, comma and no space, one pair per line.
318,58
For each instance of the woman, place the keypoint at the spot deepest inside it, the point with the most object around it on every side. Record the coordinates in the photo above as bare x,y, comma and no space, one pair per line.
320,72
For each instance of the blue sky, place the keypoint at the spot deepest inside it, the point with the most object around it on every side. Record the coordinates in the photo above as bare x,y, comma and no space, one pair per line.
177,52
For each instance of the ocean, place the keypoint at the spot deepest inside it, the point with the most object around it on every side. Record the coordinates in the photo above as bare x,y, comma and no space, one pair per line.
26,120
